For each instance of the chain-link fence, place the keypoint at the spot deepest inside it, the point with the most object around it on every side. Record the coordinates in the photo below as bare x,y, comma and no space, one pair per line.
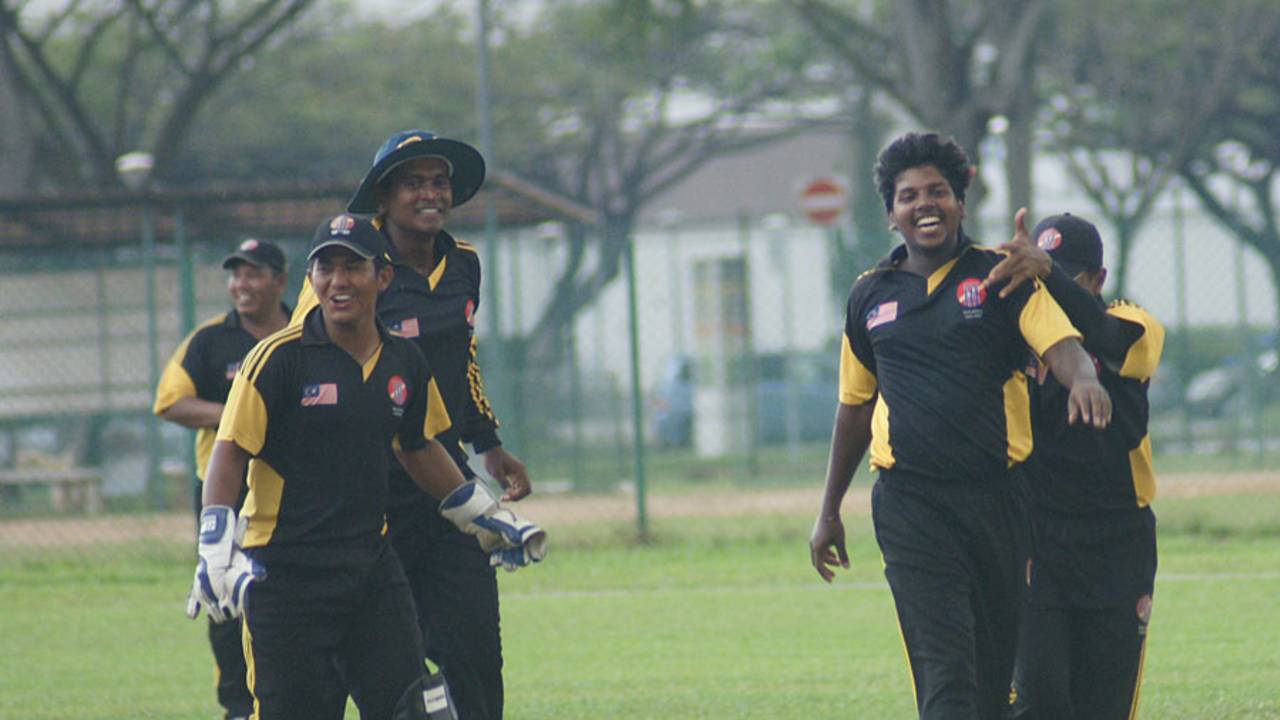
737,326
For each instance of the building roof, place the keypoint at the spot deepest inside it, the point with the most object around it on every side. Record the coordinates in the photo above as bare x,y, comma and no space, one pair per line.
116,217
757,181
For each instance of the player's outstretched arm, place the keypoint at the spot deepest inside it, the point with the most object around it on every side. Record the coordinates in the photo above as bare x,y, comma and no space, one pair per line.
849,441
1088,402
1023,261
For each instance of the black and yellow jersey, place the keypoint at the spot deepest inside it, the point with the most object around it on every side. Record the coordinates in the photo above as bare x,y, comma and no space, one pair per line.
1076,469
203,367
319,426
942,359
437,312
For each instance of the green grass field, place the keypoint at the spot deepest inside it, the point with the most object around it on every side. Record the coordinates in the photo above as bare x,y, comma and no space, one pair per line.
712,618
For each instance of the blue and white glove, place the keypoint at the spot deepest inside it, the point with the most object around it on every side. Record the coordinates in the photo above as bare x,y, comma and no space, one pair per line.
512,559
510,540
223,572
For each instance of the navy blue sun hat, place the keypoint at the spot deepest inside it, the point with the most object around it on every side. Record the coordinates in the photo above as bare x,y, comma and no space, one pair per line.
466,166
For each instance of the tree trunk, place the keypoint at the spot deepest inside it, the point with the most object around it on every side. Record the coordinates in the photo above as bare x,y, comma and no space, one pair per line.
1019,147
1126,232
17,144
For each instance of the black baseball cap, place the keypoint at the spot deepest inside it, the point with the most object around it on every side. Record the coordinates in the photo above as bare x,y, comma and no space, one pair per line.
1072,242
258,253
466,166
353,233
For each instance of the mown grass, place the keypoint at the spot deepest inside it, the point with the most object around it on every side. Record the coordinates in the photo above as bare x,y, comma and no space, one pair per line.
718,618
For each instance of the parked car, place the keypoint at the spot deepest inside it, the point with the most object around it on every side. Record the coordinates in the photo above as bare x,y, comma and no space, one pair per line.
812,388
1232,385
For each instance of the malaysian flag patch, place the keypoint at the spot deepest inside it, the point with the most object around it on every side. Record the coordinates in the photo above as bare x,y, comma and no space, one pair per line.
406,328
322,394
881,314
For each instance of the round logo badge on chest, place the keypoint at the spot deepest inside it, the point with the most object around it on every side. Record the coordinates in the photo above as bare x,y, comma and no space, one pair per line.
970,293
470,310
397,390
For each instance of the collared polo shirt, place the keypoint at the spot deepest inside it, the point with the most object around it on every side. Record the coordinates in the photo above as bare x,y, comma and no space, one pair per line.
319,426
437,312
203,366
1079,470
942,359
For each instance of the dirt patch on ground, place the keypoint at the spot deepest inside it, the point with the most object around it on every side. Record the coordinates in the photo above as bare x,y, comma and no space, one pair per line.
560,510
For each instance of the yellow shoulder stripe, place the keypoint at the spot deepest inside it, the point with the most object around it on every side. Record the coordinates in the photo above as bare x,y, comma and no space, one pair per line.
464,245
1144,356
175,382
257,357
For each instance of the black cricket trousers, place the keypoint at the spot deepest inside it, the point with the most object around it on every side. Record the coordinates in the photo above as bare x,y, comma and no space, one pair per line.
954,554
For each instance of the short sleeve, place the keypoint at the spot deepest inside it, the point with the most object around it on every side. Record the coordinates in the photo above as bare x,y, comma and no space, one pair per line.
1041,320
426,415
1143,357
178,379
857,363
255,393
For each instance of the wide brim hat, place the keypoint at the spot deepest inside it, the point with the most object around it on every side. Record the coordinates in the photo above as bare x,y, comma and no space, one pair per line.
466,166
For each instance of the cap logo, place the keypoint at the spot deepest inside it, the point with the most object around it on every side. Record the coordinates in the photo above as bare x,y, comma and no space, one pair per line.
409,141
1049,240
249,245
970,293
341,225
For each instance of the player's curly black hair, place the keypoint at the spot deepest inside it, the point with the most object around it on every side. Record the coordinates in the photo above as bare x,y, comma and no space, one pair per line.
916,149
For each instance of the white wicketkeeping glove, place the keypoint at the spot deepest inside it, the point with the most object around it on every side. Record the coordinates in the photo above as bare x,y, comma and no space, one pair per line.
224,572
510,540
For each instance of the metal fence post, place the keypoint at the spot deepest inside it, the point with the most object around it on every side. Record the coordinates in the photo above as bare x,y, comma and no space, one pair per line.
637,402
155,484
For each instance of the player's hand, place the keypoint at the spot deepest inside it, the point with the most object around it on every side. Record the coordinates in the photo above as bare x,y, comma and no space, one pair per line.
1089,403
826,546
242,573
223,572
1023,260
474,511
217,530
509,471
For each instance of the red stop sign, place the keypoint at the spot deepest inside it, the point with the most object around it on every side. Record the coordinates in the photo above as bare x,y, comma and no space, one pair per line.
823,201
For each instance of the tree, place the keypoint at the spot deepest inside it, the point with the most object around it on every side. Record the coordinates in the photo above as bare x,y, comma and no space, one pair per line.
636,96
1234,175
1132,96
101,80
953,65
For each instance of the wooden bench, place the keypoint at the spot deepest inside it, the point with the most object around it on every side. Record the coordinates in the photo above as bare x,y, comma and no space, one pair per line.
78,488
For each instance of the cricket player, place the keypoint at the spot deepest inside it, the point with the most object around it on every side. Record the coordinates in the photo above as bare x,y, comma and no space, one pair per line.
931,383
312,411
1091,576
192,392
415,181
